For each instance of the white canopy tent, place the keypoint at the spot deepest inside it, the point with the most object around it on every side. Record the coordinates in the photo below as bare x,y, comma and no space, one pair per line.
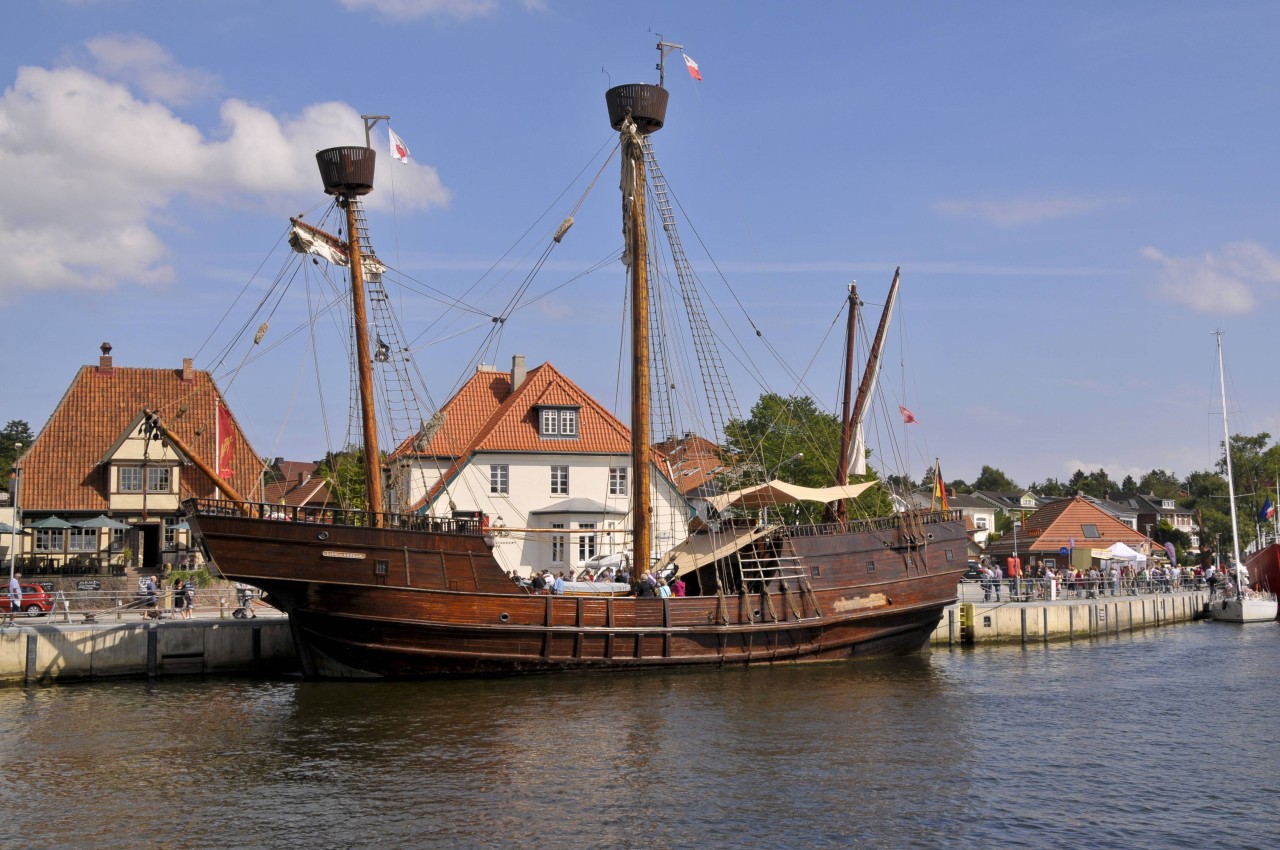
1121,552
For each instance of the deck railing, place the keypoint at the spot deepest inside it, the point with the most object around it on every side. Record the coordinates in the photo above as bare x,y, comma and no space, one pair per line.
333,516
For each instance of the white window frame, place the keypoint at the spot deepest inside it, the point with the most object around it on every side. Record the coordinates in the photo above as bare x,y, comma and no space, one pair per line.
559,480
82,540
499,479
586,542
159,479
557,544
558,422
617,481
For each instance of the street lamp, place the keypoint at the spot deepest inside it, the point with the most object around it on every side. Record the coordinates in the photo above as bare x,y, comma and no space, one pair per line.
17,511
778,468
1017,565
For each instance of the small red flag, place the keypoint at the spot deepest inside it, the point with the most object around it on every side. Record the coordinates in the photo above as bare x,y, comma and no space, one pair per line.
908,418
693,68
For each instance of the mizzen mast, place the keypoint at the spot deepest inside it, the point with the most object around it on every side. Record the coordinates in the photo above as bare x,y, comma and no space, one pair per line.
636,110
347,173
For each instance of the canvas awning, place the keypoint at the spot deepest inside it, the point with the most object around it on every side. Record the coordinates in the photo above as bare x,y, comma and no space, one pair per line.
50,522
778,492
698,550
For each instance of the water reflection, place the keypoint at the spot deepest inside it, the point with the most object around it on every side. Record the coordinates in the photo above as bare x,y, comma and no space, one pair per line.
1034,747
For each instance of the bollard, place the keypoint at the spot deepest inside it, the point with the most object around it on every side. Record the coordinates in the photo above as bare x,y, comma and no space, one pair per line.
222,608
966,622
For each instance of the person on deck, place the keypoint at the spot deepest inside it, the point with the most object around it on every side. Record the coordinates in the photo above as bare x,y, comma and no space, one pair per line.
15,600
678,586
557,586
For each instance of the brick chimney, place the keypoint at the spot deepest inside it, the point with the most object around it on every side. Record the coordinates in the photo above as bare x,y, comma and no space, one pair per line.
188,372
104,362
518,371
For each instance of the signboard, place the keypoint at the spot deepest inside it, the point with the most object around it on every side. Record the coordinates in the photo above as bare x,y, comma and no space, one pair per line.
47,585
1064,551
88,584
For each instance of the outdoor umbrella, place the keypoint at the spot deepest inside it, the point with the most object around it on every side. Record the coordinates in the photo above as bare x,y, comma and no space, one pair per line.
100,521
50,522
5,528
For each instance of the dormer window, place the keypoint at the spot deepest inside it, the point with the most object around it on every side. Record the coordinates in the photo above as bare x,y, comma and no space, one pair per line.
558,423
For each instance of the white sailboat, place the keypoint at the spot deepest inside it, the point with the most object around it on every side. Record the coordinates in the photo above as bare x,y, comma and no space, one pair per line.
1237,603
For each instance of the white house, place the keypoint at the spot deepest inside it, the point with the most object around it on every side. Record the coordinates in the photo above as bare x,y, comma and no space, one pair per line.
545,464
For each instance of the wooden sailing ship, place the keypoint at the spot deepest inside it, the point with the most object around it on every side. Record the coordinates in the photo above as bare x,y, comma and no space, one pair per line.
377,594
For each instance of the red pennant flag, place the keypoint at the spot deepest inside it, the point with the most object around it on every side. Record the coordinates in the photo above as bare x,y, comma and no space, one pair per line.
693,68
908,418
226,443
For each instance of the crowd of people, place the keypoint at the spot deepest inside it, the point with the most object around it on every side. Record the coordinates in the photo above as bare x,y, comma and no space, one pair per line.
1108,579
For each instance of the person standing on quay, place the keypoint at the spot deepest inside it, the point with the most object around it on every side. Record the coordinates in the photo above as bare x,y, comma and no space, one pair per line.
15,600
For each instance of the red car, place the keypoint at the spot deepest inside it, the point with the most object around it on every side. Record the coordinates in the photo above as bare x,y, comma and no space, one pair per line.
36,601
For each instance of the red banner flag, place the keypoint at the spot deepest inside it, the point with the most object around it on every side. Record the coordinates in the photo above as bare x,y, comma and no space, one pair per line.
226,443
908,418
399,150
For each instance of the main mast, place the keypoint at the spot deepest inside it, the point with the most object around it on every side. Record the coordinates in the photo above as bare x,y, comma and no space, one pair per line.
635,110
1226,447
348,174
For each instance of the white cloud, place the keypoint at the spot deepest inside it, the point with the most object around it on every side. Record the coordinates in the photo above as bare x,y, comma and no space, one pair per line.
90,169
406,10
1226,282
1014,213
148,66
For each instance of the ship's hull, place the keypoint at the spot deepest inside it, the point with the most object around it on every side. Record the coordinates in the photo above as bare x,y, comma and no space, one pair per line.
1253,608
367,602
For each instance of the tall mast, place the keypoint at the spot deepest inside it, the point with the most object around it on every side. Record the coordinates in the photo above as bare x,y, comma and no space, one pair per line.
635,110
846,413
1226,446
348,174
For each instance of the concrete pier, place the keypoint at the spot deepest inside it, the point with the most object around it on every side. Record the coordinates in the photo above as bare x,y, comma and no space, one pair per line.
44,652
1042,621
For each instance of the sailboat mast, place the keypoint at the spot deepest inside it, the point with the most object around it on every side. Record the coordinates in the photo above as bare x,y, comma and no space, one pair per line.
364,367
347,173
1226,446
635,110
840,509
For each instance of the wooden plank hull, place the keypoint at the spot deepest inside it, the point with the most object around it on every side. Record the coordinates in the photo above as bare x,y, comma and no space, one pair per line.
371,602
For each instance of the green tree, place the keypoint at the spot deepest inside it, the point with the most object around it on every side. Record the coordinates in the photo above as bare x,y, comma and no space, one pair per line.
16,431
344,473
1050,488
791,439
1160,483
992,479
1097,484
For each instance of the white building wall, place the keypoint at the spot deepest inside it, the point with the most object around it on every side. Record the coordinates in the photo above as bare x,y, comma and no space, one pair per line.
529,489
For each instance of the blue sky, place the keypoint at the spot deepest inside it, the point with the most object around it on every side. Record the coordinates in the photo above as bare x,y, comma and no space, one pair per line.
1078,194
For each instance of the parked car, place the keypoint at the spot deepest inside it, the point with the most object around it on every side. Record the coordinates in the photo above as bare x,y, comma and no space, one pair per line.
974,573
36,601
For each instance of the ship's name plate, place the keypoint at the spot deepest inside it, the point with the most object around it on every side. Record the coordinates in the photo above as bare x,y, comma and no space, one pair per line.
875,600
350,556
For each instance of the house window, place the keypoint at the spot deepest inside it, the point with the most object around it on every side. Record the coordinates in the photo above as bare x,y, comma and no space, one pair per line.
557,545
158,478
118,539
586,542
559,480
980,522
48,539
499,478
82,539
130,479
1090,531
558,422
171,533
617,481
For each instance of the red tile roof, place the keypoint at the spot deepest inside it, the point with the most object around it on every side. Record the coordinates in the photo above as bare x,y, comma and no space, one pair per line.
62,471
693,459
486,416
1060,523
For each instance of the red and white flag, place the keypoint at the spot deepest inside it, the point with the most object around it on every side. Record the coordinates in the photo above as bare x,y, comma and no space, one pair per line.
693,68
908,418
399,149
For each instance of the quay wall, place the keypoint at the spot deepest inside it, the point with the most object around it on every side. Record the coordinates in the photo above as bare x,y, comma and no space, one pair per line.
1042,622
47,653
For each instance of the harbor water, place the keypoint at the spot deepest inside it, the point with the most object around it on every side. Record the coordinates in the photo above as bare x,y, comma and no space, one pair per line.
1151,739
